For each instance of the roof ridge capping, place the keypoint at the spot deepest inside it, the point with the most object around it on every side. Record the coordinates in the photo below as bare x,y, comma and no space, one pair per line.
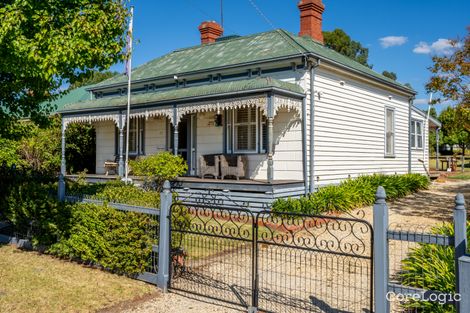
228,40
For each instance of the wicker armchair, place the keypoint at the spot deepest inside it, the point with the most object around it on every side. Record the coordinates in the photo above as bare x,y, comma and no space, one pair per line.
111,165
233,165
209,165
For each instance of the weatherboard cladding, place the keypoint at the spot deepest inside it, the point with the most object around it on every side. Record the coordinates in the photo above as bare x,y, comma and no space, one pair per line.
238,51
254,84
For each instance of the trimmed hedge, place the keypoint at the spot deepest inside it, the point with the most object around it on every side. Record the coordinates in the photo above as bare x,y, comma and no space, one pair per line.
431,267
352,193
99,235
116,240
117,192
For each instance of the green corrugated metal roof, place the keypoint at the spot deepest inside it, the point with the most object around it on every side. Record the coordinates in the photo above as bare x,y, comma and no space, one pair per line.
75,95
253,84
246,49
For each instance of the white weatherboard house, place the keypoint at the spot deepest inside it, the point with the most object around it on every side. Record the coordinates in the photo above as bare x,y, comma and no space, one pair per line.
302,115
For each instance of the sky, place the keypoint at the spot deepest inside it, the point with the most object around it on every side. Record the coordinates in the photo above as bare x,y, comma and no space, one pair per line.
402,35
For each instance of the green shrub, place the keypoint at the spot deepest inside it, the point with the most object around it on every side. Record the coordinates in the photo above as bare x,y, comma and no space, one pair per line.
160,167
431,267
352,193
115,240
129,194
34,211
117,192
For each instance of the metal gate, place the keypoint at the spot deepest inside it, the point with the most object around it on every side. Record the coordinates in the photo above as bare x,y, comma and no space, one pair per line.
271,261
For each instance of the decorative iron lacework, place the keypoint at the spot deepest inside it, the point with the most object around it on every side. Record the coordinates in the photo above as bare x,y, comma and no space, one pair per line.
261,102
236,103
91,118
281,102
153,112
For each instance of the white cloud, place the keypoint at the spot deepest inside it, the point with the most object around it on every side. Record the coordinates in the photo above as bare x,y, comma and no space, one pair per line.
440,46
425,101
422,48
420,101
391,41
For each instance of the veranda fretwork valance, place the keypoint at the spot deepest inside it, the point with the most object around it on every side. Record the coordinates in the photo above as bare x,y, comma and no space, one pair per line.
174,114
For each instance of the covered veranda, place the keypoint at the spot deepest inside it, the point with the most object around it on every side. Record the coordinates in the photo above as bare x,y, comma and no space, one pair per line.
266,96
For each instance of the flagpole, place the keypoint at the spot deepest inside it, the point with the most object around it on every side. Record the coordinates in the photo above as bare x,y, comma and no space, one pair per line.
129,76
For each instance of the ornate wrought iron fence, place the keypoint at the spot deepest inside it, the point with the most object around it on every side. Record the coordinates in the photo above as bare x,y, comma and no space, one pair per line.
272,262
212,252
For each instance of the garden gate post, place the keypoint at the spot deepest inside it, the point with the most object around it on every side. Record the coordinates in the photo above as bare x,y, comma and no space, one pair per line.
460,241
166,199
381,252
464,283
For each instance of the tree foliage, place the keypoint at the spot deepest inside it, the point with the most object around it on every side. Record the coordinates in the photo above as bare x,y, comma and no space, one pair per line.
390,75
451,78
93,77
453,129
46,44
159,167
339,41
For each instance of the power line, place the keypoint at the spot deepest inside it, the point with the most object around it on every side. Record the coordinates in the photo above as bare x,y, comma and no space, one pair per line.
210,17
268,21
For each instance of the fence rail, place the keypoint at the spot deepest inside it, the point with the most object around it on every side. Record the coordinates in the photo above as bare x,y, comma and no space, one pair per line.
117,206
420,238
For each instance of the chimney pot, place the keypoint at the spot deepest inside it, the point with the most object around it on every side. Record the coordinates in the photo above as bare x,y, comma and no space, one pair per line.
210,31
311,12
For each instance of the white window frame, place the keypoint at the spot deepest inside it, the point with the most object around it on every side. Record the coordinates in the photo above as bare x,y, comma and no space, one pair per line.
414,134
230,132
138,132
389,153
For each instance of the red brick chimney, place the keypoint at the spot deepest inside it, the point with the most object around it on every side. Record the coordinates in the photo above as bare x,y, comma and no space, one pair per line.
210,31
310,18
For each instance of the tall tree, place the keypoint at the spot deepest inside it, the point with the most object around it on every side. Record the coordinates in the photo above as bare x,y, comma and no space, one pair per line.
451,78
93,77
454,131
339,41
390,75
46,44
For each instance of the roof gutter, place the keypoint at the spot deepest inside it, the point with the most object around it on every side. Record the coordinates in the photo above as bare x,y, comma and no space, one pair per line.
276,90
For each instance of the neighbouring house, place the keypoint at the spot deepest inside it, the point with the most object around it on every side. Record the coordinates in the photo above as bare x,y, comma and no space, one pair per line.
300,114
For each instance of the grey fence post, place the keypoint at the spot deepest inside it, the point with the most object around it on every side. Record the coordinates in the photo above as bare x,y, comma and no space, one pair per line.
460,241
381,252
166,199
464,279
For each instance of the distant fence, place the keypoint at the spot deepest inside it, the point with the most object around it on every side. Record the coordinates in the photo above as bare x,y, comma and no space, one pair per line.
445,162
395,243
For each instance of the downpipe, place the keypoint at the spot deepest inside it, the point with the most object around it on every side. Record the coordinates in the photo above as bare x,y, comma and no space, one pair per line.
312,64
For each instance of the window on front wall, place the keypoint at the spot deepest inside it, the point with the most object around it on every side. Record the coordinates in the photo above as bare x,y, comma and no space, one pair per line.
389,132
416,134
245,130
136,137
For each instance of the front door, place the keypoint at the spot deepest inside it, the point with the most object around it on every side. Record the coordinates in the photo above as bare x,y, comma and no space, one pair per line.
187,141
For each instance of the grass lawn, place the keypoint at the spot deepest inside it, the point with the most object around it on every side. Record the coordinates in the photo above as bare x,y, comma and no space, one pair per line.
462,176
31,282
